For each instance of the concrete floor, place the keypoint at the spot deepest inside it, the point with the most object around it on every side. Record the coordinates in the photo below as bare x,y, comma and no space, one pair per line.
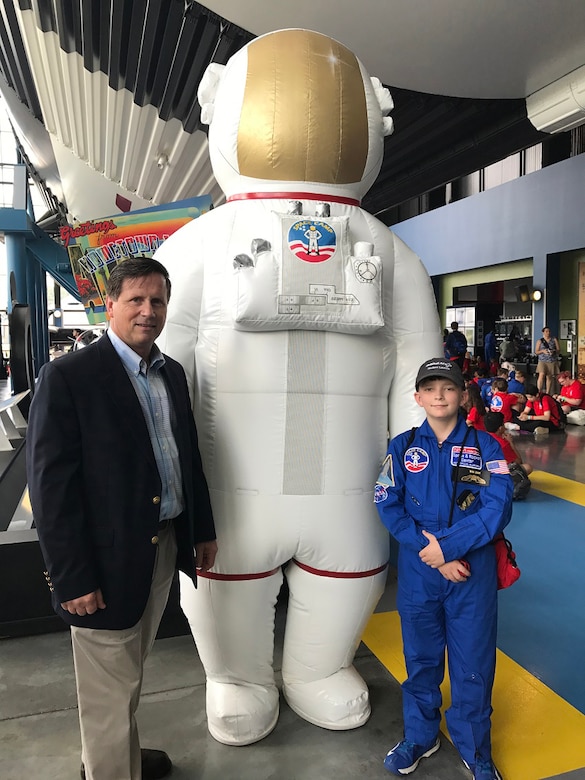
39,731
39,735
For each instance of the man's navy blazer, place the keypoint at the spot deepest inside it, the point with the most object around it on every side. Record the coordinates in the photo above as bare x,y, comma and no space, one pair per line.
95,487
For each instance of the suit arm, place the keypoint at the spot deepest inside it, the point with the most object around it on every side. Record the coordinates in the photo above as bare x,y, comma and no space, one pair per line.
390,498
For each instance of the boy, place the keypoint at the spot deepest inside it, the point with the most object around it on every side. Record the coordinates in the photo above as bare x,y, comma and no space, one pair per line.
487,389
480,377
494,424
540,415
516,382
444,493
503,401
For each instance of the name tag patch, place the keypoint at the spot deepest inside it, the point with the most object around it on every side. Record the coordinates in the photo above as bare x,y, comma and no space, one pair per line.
470,457
472,476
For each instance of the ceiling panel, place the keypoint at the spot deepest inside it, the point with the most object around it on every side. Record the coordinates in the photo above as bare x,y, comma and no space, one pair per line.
114,82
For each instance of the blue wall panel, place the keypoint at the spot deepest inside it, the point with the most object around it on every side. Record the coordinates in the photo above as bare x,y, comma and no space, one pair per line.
532,216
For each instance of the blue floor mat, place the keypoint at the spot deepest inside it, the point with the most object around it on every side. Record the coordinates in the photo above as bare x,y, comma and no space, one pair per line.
542,618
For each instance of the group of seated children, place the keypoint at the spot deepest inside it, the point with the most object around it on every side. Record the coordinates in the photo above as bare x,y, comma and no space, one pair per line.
496,414
523,406
508,402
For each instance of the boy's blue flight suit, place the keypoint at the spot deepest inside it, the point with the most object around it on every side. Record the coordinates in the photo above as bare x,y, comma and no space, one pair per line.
414,493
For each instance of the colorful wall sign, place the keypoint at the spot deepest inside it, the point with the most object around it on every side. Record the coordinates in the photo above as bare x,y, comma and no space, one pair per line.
97,246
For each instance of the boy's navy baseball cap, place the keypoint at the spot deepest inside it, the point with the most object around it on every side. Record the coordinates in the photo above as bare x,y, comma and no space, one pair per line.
439,368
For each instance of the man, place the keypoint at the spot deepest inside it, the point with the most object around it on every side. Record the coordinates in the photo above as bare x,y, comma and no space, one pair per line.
119,499
456,345
508,349
490,347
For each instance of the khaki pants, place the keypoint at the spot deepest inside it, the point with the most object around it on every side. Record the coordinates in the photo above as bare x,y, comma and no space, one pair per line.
108,671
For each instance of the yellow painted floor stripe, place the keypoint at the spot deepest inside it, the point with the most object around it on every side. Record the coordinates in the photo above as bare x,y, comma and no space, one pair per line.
560,487
535,733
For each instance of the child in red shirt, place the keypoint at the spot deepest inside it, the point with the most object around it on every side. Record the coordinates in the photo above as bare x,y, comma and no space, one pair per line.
494,424
503,401
474,407
572,395
540,415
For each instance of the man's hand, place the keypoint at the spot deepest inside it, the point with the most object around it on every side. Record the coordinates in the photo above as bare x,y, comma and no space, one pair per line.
205,553
85,605
432,554
455,571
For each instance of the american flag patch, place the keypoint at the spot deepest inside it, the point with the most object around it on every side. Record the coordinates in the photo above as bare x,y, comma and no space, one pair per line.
497,467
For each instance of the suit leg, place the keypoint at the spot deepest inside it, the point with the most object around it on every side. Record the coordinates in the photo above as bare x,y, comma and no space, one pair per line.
420,599
471,642
233,626
325,620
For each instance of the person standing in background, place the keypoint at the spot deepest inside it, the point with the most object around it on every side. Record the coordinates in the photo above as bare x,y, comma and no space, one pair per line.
445,336
547,368
456,345
508,350
490,347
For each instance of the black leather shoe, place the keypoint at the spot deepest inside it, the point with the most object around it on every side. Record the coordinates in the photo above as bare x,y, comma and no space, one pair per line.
155,765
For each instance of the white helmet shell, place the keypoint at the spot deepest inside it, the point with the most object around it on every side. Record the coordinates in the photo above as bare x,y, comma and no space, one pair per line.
295,111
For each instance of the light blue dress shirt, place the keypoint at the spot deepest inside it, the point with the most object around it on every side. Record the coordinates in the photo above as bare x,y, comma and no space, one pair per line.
158,413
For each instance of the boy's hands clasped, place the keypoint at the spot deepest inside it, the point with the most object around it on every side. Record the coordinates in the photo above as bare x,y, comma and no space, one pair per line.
455,571
432,555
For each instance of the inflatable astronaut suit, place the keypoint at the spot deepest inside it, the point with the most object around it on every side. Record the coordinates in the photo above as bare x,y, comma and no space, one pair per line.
300,321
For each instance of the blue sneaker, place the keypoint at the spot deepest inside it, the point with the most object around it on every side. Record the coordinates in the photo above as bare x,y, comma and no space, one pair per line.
404,757
485,770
